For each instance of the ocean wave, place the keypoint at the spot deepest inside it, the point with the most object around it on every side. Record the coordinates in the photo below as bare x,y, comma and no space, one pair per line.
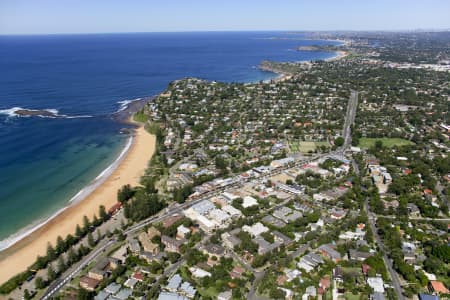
80,196
114,165
125,103
50,113
12,239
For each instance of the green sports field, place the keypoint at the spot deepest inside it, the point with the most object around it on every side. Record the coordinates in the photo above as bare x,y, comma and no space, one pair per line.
387,142
306,147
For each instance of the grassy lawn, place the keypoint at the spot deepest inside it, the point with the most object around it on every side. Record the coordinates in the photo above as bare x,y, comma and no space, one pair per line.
350,296
326,144
351,270
387,142
209,292
306,147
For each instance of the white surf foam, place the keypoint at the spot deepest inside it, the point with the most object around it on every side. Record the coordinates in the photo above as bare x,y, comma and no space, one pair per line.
114,165
12,112
81,195
124,104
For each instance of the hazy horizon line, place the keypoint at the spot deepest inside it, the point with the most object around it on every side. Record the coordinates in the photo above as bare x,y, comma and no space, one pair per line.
293,31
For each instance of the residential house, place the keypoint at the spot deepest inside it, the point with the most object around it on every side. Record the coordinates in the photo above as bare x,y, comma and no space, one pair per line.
169,221
377,296
359,255
172,245
182,232
328,250
227,295
230,241
102,269
171,296
324,285
174,283
113,288
214,250
249,201
256,229
89,283
428,297
134,247
376,283
437,287
146,242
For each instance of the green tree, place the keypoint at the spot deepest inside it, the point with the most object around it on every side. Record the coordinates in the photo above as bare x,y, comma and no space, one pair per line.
86,224
26,294
378,144
61,264
51,253
60,245
220,163
78,231
51,274
102,213
70,241
96,221
39,283
82,294
339,141
71,256
91,241
276,293
41,262
125,193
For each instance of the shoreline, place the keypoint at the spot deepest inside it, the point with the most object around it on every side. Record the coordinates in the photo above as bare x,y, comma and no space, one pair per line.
127,168
124,115
339,55
280,76
77,198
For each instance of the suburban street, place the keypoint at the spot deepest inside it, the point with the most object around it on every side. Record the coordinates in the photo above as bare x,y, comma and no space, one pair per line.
387,261
350,119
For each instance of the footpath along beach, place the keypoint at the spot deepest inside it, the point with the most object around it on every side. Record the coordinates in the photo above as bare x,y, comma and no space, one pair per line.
21,255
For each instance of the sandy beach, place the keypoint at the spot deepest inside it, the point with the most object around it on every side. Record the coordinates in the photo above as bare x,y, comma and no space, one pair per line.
340,55
22,254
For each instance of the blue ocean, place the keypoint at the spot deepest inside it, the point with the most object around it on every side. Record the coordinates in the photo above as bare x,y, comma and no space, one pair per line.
44,162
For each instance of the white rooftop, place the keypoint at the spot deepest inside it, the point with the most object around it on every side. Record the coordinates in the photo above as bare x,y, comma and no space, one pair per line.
231,210
376,283
255,229
230,196
249,201
199,273
219,215
203,207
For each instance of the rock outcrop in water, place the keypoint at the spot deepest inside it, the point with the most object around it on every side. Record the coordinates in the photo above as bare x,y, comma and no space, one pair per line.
36,113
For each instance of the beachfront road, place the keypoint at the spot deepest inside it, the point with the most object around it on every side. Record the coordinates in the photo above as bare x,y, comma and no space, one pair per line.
58,284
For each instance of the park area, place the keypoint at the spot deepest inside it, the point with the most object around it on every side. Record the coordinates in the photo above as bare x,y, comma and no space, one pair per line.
307,147
386,142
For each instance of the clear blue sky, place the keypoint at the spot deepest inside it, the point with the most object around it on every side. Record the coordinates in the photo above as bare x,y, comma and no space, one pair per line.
90,16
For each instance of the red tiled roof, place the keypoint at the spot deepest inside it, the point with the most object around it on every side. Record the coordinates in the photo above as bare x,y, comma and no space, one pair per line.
281,279
365,268
438,287
407,171
90,282
138,276
325,283
115,208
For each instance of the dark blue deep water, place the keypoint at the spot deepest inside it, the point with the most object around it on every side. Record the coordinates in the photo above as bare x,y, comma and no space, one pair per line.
44,162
